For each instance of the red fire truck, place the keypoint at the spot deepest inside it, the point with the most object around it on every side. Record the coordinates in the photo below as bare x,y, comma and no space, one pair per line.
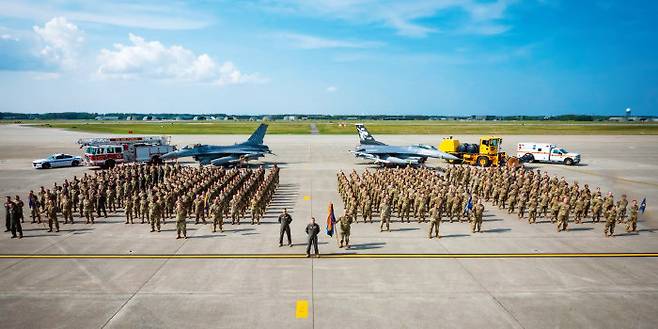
106,152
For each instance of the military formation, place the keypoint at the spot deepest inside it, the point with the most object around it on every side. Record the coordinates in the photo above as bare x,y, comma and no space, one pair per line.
421,194
458,195
152,194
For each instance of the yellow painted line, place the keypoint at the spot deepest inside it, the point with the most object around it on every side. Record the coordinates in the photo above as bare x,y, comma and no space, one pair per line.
301,310
332,256
307,197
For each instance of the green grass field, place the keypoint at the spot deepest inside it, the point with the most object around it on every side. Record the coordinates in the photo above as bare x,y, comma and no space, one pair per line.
494,128
347,127
179,128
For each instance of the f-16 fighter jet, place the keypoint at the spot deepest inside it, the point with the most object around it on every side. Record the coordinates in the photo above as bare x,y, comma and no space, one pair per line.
218,155
383,154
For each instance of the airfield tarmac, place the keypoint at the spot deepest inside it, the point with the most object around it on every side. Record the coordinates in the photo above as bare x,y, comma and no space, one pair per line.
346,291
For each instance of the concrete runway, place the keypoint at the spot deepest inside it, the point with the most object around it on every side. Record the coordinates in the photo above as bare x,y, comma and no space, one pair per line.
347,292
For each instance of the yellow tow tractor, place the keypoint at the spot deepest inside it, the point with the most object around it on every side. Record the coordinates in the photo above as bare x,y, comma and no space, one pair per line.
486,154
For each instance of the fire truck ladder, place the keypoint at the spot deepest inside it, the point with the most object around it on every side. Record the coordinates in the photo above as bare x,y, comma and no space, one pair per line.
163,140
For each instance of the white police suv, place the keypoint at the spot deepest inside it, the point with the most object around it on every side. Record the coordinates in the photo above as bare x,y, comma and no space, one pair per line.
57,160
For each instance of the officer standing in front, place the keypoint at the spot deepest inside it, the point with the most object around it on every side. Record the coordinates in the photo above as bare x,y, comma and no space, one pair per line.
312,229
285,219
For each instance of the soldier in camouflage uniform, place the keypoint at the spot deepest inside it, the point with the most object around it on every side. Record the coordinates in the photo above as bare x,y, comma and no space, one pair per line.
631,223
128,207
435,221
345,226
155,213
181,215
216,214
67,210
532,210
610,221
563,215
385,215
478,213
144,207
88,208
199,210
51,212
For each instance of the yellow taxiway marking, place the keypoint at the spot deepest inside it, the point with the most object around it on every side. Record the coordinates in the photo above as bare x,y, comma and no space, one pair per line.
332,256
301,310
307,197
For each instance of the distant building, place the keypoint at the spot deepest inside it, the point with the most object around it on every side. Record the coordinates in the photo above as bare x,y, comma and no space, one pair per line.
106,118
290,118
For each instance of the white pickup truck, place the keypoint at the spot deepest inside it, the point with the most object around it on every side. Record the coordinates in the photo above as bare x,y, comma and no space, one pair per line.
543,152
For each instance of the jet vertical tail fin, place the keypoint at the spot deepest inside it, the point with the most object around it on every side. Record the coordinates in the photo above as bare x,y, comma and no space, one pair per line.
257,137
365,137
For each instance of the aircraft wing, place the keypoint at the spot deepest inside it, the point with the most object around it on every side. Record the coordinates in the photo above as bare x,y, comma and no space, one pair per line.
226,159
385,158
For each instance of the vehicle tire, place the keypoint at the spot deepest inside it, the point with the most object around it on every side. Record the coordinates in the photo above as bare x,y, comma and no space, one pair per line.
568,161
45,165
483,162
109,164
529,157
75,163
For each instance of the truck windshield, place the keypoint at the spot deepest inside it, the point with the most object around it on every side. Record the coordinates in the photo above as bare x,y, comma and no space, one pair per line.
90,150
563,151
494,142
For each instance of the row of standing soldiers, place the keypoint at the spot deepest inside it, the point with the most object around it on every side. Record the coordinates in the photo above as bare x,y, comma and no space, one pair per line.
421,193
459,192
530,194
152,194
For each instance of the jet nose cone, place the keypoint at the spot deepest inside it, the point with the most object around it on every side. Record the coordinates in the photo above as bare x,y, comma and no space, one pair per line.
445,156
449,156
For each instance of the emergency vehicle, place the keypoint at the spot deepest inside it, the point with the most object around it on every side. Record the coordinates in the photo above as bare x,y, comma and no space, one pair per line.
107,152
536,152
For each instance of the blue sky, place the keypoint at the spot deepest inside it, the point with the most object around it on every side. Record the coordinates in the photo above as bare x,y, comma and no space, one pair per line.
433,57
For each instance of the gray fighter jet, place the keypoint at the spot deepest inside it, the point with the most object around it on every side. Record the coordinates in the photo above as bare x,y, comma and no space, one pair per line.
383,154
217,155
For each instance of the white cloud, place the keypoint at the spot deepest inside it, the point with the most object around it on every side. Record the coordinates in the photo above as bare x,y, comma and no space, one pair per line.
153,60
61,40
305,41
331,89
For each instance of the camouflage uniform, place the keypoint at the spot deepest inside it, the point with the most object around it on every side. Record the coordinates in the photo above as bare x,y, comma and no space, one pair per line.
155,213
631,223
610,221
345,225
181,214
435,221
51,212
216,213
477,217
